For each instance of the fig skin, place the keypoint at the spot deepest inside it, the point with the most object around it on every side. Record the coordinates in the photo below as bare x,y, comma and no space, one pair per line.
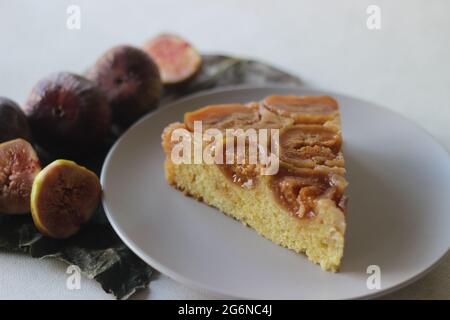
19,166
13,121
64,197
68,114
130,80
178,61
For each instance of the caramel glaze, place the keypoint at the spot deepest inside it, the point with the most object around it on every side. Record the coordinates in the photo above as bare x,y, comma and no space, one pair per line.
311,162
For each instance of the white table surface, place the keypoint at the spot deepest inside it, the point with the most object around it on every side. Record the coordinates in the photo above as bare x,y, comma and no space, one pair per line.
404,66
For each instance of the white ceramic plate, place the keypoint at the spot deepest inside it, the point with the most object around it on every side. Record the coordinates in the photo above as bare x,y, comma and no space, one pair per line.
398,219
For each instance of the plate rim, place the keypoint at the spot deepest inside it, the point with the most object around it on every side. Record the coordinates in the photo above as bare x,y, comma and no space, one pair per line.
204,287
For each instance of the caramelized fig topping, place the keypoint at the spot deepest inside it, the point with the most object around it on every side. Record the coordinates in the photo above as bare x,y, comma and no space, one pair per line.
299,189
244,175
310,145
310,135
222,116
305,109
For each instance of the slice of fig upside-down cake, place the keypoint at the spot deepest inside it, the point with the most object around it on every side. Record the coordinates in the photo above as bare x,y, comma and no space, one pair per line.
302,205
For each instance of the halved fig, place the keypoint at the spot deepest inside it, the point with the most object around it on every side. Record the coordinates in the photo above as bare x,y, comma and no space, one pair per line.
64,197
19,165
177,60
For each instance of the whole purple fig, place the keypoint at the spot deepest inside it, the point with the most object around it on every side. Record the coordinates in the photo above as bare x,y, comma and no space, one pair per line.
68,114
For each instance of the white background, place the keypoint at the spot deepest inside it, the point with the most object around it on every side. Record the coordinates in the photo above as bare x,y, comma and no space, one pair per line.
405,66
